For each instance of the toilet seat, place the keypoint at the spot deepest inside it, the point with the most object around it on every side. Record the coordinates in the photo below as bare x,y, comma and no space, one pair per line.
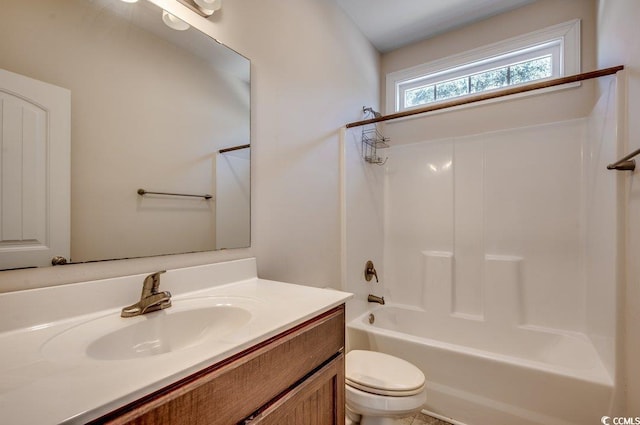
382,374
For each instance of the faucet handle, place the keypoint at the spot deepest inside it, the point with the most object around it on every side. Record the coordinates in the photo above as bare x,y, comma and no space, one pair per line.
151,283
370,271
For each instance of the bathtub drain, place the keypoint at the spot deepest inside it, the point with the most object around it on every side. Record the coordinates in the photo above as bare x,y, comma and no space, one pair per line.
372,318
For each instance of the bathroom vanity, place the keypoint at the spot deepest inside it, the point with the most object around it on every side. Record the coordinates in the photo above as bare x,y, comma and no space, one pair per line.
232,348
297,377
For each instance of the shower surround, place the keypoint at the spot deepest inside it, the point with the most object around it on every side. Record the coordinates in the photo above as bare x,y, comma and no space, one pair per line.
499,253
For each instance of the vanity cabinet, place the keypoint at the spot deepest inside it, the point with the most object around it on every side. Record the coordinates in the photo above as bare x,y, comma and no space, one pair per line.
296,377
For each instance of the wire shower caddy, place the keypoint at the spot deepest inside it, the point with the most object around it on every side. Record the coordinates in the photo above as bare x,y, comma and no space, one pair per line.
372,139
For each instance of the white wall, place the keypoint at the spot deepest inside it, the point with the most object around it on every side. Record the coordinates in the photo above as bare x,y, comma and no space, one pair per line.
312,72
619,44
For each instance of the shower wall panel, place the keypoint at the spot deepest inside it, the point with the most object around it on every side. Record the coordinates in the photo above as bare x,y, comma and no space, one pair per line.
604,238
508,207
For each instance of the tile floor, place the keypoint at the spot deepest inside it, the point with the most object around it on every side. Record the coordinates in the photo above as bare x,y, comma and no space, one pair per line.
421,419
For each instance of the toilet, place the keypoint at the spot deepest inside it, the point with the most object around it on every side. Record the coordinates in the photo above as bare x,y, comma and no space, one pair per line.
381,388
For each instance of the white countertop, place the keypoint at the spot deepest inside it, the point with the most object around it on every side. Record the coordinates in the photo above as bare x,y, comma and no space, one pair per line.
36,388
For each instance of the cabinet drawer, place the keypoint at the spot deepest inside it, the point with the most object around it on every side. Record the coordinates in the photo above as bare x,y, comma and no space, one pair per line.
229,391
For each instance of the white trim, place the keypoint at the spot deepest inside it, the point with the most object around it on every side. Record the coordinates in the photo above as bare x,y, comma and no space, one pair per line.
441,417
342,144
568,33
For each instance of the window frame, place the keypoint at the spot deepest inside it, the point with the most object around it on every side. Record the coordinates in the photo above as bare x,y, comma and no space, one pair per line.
563,40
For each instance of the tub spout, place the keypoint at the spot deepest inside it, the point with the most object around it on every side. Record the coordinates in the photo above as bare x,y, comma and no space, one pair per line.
375,299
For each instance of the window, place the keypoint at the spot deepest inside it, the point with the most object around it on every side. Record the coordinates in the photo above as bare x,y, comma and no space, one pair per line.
549,53
515,73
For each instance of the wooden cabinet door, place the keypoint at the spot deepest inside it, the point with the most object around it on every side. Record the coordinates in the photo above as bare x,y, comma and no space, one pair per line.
319,400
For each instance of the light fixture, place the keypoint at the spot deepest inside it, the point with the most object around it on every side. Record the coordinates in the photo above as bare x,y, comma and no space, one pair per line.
129,1
173,22
204,8
208,6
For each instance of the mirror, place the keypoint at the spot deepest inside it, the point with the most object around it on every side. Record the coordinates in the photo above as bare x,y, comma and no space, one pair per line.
150,108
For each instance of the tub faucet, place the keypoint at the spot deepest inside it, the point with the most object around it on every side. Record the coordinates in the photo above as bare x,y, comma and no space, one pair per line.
370,271
150,299
374,299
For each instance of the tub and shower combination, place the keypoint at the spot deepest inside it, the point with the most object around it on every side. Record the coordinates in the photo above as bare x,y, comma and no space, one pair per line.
499,256
476,378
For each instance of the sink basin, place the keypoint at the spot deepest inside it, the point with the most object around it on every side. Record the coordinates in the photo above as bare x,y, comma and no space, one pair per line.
186,324
162,333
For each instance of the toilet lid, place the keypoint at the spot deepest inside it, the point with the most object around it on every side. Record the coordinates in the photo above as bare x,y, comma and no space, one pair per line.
383,374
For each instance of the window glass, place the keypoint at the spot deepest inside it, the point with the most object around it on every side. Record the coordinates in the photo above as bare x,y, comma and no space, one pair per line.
420,96
452,88
532,70
489,80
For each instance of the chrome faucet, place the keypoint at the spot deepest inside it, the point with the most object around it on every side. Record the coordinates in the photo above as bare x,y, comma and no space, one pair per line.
374,299
150,299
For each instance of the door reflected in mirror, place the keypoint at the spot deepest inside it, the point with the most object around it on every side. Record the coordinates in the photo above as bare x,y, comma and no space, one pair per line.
150,108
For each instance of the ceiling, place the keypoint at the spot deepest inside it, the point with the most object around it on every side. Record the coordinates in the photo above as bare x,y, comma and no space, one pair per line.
393,24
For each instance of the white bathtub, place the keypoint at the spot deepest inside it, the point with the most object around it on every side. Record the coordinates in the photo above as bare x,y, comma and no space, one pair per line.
479,375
